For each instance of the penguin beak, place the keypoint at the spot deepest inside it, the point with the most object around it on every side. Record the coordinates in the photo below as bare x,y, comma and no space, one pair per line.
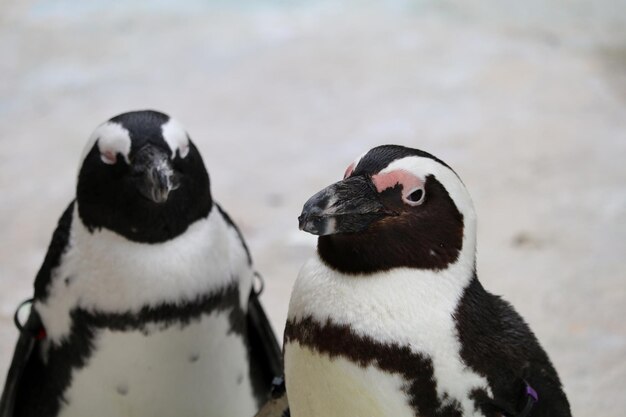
155,178
348,206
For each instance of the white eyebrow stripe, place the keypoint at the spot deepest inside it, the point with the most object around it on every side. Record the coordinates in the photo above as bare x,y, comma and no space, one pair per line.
111,137
422,167
176,137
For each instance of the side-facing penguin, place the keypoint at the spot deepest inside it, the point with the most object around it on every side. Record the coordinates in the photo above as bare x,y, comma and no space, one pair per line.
144,305
389,318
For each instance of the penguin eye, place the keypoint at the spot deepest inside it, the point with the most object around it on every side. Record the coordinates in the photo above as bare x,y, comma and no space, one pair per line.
415,197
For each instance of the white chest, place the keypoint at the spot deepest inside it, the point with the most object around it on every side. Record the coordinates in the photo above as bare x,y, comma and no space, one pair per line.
196,370
338,387
105,272
402,307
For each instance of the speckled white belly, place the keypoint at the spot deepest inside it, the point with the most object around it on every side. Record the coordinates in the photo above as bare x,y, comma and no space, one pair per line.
195,370
320,386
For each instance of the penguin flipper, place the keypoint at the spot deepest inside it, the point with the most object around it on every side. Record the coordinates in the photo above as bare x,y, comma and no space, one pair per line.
25,361
58,246
265,353
504,347
22,356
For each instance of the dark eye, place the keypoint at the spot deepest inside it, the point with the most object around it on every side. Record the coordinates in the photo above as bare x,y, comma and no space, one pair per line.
414,197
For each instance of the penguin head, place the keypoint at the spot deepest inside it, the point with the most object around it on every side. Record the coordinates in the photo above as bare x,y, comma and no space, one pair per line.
143,178
395,207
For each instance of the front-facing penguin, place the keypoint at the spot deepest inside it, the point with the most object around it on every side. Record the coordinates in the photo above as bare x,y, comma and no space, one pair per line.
389,319
144,304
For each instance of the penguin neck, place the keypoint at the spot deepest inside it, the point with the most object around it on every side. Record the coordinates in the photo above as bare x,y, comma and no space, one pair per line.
366,254
201,261
123,211
399,287
422,246
388,306
104,272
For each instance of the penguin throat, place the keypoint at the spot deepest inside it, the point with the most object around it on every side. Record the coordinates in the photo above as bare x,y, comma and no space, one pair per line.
385,247
140,221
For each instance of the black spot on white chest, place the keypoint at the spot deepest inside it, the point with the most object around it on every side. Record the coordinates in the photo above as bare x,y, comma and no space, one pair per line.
175,369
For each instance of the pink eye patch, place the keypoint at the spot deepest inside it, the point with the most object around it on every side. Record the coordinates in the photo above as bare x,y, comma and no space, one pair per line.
108,157
402,177
348,171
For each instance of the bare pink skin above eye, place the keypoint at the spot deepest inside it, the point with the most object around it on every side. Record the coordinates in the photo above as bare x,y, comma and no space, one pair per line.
390,179
348,171
108,157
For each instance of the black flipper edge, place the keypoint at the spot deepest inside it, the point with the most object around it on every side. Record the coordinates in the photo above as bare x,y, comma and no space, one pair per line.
23,351
265,351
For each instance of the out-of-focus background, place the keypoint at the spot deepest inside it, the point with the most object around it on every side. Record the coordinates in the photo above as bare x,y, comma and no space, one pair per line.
526,100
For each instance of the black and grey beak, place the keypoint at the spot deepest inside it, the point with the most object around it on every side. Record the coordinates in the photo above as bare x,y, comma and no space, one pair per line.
347,206
154,174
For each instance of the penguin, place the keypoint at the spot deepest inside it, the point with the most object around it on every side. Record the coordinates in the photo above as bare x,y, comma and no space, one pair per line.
389,317
145,303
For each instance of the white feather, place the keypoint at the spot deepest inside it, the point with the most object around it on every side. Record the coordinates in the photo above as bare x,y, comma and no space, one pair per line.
149,373
379,394
110,274
176,137
196,371
112,138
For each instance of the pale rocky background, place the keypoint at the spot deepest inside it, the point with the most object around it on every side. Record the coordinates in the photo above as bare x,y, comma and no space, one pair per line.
526,100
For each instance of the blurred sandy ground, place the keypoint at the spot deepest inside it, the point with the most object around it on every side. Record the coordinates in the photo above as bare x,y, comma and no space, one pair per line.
526,101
